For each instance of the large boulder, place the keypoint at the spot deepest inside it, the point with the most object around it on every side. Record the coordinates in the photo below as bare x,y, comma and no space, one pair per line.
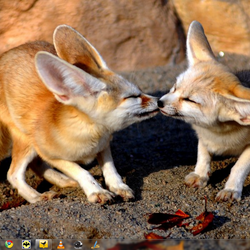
226,23
129,34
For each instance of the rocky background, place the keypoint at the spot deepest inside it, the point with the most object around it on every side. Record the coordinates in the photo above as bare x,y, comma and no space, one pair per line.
132,34
145,40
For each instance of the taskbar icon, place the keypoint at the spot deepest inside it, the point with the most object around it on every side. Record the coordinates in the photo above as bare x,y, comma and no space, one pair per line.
78,245
26,244
43,244
95,246
9,243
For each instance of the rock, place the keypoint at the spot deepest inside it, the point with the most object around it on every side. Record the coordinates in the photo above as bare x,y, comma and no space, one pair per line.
226,23
129,34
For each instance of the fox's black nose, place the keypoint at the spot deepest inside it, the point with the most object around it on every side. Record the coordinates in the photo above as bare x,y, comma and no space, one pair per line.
160,104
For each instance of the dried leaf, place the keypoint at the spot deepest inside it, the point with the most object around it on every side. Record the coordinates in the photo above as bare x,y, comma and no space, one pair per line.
202,216
153,236
160,218
162,247
168,221
205,218
133,246
5,206
13,204
182,224
180,246
170,224
154,245
182,214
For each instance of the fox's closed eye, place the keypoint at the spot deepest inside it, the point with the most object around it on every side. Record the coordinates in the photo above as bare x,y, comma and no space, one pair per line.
189,100
132,96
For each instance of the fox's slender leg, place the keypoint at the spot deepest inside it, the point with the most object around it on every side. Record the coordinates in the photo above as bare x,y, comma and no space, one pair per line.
93,191
200,176
51,175
112,179
22,155
235,182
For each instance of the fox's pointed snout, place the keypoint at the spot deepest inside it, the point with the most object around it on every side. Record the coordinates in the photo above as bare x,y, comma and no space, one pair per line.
160,104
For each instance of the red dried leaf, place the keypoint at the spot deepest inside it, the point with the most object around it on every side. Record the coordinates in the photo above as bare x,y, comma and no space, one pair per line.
120,246
5,206
168,221
182,224
153,236
202,216
170,224
205,218
154,245
182,214
135,246
13,204
161,218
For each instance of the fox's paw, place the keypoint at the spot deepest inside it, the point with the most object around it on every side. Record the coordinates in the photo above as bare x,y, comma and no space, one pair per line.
194,180
48,195
228,195
43,197
101,197
124,191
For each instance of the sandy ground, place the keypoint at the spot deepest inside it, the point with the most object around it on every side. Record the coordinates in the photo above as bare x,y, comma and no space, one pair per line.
153,157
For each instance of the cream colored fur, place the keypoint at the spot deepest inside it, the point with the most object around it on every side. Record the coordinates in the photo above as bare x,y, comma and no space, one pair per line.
211,98
62,103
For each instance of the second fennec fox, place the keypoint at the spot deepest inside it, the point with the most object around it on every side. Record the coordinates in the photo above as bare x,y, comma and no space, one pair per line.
217,104
65,112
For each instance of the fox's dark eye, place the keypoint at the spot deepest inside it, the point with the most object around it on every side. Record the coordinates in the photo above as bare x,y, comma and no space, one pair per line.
188,100
133,96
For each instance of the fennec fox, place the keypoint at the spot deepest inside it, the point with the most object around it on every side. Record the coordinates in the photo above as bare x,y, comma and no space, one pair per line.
63,103
217,104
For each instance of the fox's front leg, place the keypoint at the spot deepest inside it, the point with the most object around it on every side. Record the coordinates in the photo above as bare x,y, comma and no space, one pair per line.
94,192
200,176
112,179
239,172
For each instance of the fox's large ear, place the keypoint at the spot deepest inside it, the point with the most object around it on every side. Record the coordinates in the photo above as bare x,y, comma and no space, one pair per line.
198,48
238,93
237,111
231,86
71,46
64,80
